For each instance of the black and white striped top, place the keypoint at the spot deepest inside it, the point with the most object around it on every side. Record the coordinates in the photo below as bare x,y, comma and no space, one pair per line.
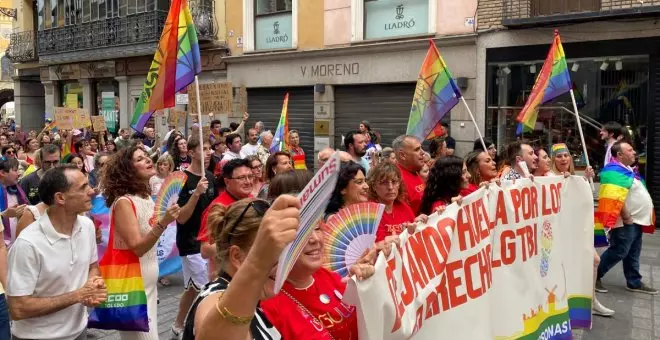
260,327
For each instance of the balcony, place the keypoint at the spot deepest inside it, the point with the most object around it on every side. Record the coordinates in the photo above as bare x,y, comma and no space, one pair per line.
21,47
133,29
525,13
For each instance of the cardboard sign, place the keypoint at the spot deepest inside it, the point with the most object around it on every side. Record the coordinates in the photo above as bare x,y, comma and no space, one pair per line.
82,119
64,117
98,123
216,98
517,258
176,117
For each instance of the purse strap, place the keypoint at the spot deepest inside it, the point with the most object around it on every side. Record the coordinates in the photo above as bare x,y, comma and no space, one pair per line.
111,238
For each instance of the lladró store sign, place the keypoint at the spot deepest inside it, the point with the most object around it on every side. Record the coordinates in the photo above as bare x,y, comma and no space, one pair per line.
273,31
391,18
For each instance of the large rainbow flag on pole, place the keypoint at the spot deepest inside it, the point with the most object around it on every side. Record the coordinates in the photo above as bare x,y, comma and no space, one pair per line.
435,95
552,81
280,138
175,64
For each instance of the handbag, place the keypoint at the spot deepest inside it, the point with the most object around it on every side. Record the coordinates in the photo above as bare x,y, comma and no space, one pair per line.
126,306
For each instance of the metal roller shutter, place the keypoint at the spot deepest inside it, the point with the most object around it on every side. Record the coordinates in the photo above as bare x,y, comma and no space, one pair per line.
386,107
265,104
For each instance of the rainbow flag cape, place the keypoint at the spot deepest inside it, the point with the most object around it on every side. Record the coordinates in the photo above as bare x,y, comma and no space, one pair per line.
615,183
175,65
435,95
553,81
281,137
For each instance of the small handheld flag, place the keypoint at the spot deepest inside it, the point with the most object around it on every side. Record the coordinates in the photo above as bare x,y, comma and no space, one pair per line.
435,95
552,81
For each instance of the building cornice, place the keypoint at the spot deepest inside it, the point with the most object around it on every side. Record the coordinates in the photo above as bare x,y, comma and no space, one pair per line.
363,47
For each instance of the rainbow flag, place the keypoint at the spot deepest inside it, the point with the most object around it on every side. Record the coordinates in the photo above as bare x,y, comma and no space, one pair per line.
175,65
435,95
553,81
280,139
522,129
437,131
615,183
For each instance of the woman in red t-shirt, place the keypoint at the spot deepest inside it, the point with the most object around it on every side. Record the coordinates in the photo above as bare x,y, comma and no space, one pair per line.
482,168
447,178
385,187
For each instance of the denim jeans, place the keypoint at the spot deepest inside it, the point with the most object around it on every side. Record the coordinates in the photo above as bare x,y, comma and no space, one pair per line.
626,246
4,319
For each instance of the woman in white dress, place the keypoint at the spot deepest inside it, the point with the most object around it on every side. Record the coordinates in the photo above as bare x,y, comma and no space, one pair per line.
125,183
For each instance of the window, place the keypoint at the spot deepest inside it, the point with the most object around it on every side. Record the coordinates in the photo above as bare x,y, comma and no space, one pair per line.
123,5
95,10
273,24
53,14
151,5
86,12
41,14
131,7
163,5
102,11
606,89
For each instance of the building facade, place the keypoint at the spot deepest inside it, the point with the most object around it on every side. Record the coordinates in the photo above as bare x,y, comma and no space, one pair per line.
613,53
95,54
344,61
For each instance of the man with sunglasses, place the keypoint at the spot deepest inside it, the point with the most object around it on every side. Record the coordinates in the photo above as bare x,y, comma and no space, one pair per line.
49,157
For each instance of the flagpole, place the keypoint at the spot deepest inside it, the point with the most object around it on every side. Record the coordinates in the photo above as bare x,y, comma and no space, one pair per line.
584,145
481,138
199,124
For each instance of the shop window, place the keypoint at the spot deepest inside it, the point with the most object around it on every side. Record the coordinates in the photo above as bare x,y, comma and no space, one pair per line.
107,103
273,24
71,95
606,89
394,18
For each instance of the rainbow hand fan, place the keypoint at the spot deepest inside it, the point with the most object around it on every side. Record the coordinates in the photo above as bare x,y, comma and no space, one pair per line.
169,192
349,233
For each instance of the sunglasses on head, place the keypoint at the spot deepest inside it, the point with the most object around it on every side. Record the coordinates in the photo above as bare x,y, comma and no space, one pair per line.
259,206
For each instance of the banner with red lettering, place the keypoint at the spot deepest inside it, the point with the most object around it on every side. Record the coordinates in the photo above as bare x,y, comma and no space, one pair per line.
512,262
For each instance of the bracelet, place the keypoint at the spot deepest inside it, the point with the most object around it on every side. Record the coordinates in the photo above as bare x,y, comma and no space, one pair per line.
229,316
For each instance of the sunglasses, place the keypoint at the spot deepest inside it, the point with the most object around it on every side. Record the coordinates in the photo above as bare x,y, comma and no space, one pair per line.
10,152
259,206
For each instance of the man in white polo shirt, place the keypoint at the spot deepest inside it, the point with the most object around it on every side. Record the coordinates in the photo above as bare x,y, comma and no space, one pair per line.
52,268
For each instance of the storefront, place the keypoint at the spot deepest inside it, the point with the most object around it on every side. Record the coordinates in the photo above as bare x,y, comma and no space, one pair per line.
107,103
375,82
265,105
612,81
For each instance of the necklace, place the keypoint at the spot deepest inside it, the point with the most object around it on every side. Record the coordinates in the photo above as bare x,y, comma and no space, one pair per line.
305,288
316,320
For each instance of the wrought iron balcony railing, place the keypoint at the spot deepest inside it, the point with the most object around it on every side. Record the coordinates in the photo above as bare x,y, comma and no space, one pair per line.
539,12
22,47
120,31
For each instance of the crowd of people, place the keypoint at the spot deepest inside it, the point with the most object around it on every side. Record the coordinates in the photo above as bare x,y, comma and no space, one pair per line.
234,215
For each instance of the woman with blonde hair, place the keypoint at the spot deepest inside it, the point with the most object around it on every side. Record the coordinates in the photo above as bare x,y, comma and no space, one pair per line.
386,187
562,164
164,168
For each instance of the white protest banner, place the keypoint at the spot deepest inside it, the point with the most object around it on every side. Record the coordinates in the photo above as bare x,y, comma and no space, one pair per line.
313,200
514,262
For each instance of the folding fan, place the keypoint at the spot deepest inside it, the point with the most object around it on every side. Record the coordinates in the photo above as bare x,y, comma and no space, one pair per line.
349,233
169,192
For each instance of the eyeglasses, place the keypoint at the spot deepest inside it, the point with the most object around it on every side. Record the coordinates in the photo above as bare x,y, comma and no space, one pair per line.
256,167
243,178
260,207
51,163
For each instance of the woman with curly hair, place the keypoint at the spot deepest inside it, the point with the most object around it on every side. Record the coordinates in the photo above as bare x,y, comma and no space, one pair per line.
447,177
385,187
125,183
351,188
